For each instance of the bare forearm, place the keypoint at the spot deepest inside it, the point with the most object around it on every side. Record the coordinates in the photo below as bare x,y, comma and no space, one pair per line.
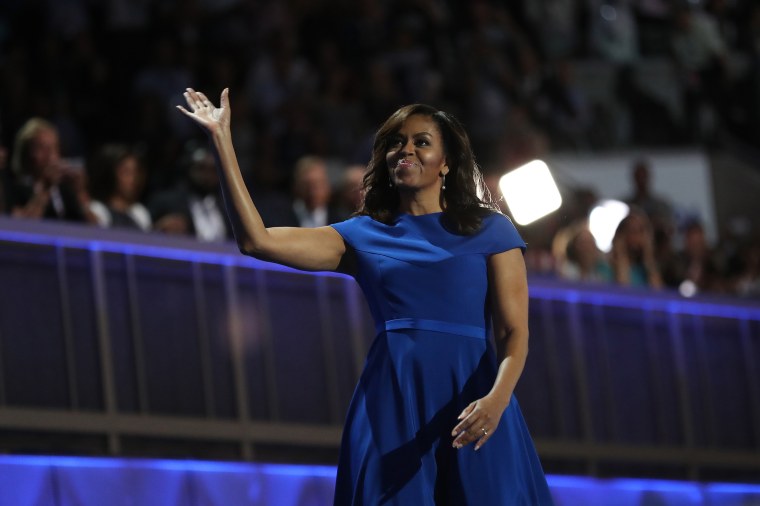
247,225
511,352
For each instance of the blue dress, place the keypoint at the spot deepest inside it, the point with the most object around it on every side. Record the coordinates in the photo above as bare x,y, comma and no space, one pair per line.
427,292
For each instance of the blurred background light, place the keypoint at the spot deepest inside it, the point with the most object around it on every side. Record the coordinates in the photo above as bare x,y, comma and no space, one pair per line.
688,288
530,192
604,220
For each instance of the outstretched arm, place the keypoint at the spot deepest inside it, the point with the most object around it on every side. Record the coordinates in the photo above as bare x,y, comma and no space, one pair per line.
508,286
303,248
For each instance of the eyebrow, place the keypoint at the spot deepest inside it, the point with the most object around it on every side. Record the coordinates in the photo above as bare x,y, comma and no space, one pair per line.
418,134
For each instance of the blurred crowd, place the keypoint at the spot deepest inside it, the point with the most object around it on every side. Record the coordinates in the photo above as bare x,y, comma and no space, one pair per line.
654,246
89,131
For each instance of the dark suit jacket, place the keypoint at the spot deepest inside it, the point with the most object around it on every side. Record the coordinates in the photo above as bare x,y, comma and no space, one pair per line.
177,200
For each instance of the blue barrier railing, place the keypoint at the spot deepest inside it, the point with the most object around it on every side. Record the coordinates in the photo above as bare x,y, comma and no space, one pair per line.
128,344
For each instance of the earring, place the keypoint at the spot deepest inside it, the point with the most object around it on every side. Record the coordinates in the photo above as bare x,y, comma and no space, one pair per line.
390,183
443,185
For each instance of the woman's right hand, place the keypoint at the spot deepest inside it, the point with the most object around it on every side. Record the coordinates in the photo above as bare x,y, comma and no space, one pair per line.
209,117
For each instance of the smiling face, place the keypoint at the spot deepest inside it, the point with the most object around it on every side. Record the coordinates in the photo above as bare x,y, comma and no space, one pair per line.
416,156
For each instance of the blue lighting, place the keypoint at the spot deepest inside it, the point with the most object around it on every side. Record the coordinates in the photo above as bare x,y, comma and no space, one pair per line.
167,464
645,300
734,488
156,246
227,254
168,482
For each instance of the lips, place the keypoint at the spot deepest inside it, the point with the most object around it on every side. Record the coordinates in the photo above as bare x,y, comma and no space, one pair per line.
405,164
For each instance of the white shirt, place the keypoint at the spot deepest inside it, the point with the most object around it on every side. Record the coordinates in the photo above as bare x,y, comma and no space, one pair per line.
306,219
208,219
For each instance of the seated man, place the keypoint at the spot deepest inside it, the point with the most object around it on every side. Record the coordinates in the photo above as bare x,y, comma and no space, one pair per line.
43,185
194,206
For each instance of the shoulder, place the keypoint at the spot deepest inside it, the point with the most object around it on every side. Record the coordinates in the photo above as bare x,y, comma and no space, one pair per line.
496,223
140,214
494,218
101,212
499,233
353,227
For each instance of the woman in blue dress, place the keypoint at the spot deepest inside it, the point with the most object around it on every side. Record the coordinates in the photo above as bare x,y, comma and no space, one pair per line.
433,420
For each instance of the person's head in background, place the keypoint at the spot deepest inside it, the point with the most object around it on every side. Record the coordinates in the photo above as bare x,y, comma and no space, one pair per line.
116,176
582,248
634,235
633,252
351,187
201,170
311,184
36,151
641,178
694,239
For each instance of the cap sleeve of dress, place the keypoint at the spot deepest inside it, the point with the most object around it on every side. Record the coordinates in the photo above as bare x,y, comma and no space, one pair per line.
500,234
349,229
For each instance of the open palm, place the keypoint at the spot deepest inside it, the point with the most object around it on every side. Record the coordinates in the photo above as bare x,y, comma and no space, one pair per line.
204,113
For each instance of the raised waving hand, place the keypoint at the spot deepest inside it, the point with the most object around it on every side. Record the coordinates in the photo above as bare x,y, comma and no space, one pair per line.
205,113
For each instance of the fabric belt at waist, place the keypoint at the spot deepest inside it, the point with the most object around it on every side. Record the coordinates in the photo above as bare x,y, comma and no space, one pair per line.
434,325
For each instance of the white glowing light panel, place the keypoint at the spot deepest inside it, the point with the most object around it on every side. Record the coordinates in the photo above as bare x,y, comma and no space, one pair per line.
530,192
604,220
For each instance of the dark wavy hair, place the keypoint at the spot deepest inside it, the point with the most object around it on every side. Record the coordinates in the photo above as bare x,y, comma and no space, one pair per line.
465,201
101,169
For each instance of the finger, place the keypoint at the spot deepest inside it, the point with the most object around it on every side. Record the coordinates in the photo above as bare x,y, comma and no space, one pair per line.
196,102
465,418
465,437
461,426
464,424
481,435
205,100
224,100
466,411
483,440
190,101
468,431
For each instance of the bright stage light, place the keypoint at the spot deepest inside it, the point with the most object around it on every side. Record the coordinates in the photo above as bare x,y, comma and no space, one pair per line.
604,220
530,192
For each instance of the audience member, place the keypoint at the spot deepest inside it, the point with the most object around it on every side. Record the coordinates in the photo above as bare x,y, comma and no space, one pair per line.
632,257
193,207
563,108
613,30
44,184
349,196
503,67
744,114
744,270
658,211
577,256
117,180
700,55
695,263
555,24
311,194
3,179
